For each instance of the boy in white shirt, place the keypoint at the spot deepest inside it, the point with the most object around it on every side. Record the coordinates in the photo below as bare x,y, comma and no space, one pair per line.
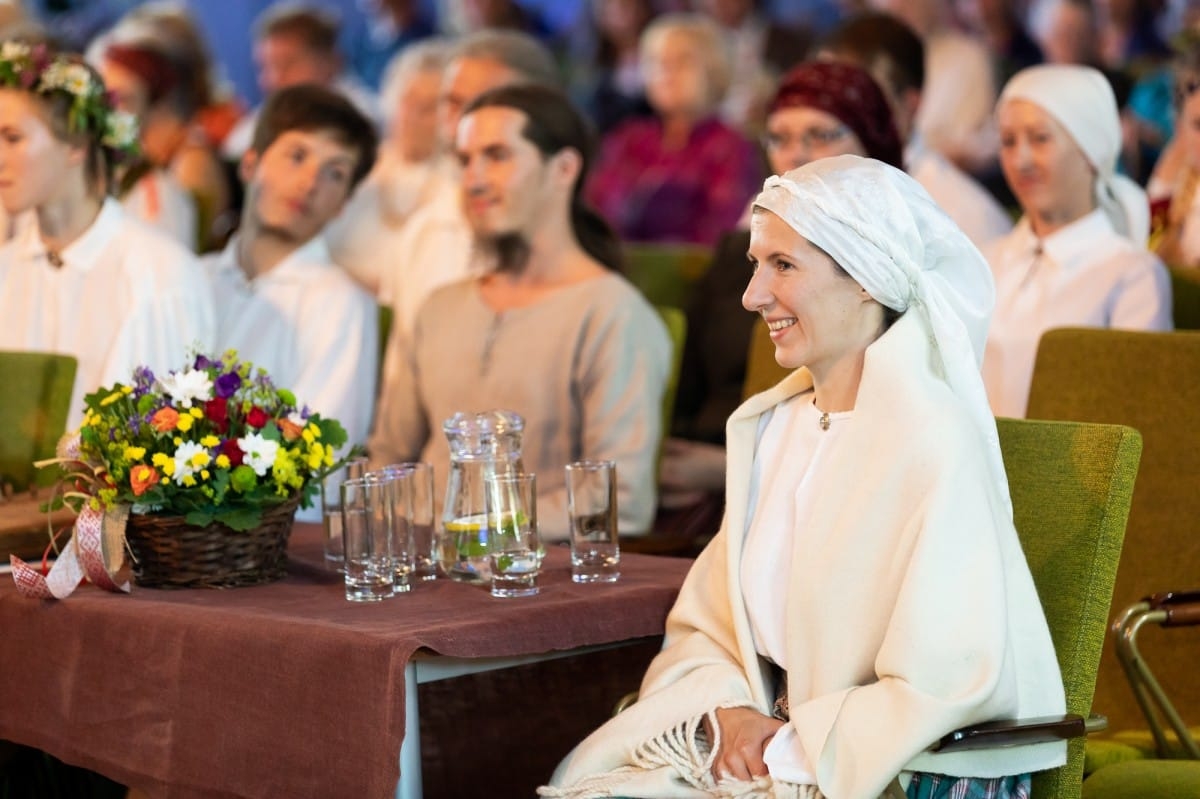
282,303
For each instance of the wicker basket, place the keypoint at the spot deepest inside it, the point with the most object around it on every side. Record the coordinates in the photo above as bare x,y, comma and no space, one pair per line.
170,553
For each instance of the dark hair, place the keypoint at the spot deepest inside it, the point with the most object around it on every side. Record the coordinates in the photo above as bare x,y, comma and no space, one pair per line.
317,28
310,108
552,125
873,35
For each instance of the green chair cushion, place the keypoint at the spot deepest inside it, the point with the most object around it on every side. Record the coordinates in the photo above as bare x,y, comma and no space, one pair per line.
1102,752
1145,779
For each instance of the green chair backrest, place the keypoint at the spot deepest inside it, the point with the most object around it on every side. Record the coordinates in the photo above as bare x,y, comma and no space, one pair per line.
665,273
34,403
386,315
1185,294
1149,381
676,322
762,370
1071,485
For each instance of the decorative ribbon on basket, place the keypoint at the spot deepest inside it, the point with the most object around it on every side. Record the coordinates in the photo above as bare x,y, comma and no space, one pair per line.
96,551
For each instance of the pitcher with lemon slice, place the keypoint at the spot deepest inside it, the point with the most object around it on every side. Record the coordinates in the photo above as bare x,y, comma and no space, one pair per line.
481,444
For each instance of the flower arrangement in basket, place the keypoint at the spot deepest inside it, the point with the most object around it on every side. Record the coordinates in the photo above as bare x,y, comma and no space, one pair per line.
203,468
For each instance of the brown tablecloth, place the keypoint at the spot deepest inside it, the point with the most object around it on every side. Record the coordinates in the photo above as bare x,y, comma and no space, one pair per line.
278,690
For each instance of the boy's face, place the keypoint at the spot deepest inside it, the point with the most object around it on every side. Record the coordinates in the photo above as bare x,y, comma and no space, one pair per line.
299,183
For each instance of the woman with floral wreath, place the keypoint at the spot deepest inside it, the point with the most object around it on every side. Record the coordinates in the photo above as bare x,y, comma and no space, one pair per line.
80,276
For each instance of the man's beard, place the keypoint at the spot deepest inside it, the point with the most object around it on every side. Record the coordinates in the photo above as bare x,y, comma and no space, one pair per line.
508,252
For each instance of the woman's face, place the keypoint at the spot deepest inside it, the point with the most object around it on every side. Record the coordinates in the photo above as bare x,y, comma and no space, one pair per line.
1187,127
32,158
798,135
1043,165
414,128
676,79
818,315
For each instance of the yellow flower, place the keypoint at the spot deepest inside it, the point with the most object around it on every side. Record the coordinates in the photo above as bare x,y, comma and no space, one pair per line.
201,459
189,481
196,412
160,459
204,474
307,435
126,389
223,462
185,422
316,431
111,398
210,441
178,441
135,453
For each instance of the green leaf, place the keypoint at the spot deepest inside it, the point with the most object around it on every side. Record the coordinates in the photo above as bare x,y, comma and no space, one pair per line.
243,479
200,518
240,519
271,432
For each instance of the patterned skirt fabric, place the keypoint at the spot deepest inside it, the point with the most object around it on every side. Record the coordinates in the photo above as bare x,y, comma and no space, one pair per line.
940,786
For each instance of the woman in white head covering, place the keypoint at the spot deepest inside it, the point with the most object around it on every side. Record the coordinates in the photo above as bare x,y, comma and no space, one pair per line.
1078,255
812,651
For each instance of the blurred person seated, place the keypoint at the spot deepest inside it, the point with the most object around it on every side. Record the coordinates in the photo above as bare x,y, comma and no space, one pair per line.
1000,25
363,238
140,81
895,57
550,330
821,109
1172,188
610,81
181,133
1078,255
683,176
760,50
434,247
867,593
282,302
959,92
294,43
82,276
382,30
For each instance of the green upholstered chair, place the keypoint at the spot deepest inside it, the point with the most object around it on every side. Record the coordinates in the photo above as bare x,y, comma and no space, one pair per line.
386,316
1185,293
665,273
1071,486
676,322
1149,381
34,403
1145,779
762,370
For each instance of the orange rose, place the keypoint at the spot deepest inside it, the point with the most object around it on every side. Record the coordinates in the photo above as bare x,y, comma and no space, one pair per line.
142,478
165,420
291,431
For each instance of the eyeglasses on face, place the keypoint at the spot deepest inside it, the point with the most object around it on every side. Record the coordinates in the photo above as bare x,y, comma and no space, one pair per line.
809,138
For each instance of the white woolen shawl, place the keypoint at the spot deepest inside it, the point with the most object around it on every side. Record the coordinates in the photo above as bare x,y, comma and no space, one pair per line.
912,611
1081,100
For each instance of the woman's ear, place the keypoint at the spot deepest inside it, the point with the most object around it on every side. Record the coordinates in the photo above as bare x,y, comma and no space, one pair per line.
247,166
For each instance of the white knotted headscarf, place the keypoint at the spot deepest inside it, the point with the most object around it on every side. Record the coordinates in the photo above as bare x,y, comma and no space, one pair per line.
882,227
1081,100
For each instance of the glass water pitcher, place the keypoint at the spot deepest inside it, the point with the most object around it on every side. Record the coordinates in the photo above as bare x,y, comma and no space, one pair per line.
480,444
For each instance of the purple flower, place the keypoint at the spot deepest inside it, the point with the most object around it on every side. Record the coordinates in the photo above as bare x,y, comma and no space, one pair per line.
227,384
202,362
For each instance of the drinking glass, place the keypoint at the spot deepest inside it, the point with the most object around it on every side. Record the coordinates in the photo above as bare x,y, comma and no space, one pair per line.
513,544
390,515
592,515
368,547
331,510
416,508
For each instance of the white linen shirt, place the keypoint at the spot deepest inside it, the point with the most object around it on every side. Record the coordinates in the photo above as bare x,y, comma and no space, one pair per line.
159,200
963,199
126,295
308,324
1087,275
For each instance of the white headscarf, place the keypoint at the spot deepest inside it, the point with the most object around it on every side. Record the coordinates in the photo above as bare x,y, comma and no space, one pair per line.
1081,100
880,226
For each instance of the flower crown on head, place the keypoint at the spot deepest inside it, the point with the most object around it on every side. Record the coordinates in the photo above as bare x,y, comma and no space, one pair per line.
35,69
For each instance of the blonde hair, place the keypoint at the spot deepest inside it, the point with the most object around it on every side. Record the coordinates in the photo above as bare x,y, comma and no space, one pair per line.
705,37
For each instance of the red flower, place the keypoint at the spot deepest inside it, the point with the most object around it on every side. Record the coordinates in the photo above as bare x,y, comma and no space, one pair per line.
217,412
231,450
257,418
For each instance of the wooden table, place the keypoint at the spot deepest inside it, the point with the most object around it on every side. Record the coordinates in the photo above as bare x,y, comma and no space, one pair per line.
23,529
287,689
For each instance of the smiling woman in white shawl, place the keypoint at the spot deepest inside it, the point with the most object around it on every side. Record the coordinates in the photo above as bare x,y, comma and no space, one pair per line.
867,593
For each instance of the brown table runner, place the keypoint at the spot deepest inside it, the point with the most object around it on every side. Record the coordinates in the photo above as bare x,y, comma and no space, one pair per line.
277,690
